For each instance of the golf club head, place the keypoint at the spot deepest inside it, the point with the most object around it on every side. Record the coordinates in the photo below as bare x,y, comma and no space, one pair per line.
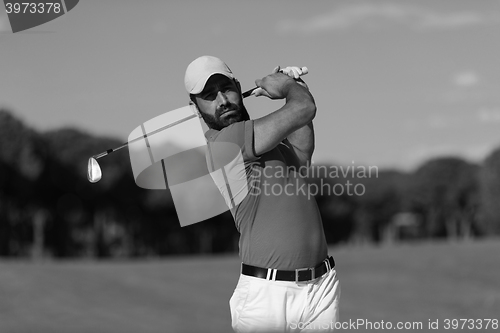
94,173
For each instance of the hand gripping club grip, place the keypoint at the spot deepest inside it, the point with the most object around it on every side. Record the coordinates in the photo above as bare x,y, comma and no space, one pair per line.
250,92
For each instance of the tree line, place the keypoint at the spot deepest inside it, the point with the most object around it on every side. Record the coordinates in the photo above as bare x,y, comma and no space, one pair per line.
49,209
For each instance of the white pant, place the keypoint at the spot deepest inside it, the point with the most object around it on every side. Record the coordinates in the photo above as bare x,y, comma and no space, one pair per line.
260,305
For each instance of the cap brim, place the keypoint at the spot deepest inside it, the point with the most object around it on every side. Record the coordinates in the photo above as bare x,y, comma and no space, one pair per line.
200,85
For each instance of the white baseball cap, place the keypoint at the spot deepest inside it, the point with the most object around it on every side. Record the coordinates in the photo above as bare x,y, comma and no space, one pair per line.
201,69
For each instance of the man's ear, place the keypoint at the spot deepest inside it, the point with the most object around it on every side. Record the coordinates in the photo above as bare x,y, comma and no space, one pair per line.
238,85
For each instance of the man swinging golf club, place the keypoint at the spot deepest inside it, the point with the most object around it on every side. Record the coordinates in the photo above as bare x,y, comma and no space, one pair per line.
288,283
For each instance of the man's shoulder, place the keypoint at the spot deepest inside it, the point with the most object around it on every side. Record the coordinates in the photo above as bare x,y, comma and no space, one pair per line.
238,135
229,133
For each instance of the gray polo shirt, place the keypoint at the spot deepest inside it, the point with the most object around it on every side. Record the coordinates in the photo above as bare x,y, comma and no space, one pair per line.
279,222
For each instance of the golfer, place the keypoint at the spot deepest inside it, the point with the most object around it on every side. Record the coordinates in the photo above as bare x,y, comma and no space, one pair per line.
288,283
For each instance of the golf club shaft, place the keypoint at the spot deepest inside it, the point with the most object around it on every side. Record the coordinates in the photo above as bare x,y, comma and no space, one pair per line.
109,151
248,92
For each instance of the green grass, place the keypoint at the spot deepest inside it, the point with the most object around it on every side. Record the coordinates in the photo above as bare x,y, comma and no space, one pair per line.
413,282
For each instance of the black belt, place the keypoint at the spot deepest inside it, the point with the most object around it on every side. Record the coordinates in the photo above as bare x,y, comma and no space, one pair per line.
298,275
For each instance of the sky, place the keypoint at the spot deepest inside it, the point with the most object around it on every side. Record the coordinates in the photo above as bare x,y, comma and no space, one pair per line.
395,82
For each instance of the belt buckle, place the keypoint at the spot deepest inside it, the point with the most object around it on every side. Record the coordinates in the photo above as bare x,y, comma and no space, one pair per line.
304,269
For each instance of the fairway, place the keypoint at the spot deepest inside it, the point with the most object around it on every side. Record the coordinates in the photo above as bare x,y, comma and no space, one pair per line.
398,283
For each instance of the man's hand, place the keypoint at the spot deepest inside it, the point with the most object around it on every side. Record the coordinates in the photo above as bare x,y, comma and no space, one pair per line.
272,85
296,73
298,111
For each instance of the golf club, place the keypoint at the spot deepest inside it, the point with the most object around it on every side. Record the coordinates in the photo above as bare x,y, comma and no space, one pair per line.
94,173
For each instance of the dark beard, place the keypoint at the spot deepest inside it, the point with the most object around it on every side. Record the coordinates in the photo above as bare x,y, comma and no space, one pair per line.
216,123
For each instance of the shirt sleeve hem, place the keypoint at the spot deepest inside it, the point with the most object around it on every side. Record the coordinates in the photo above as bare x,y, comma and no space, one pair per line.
249,140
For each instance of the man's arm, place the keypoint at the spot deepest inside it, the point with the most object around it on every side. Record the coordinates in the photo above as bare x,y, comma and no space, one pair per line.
302,141
298,111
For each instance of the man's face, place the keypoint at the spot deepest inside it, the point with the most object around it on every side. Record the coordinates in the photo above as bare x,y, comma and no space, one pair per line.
220,103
